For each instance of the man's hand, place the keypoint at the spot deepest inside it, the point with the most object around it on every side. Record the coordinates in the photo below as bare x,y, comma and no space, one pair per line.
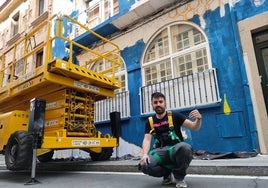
195,114
144,159
193,125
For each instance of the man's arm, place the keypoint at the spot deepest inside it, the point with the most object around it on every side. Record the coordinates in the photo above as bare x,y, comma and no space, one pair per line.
145,148
193,125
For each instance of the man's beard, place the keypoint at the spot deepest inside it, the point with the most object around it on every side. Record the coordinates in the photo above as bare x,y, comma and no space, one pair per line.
159,110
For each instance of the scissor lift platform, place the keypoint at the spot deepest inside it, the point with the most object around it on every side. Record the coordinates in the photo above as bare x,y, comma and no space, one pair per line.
18,88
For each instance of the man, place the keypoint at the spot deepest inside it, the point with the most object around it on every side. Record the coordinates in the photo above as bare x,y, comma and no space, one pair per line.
170,156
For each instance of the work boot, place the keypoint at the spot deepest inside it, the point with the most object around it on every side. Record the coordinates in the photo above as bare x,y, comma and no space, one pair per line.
167,180
180,183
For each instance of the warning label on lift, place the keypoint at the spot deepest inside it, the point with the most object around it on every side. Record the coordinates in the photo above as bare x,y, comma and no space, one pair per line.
85,142
86,86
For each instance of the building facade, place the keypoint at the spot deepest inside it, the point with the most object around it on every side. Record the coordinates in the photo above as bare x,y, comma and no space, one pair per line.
209,55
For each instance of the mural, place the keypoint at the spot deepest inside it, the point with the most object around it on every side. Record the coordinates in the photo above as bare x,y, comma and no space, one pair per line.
229,125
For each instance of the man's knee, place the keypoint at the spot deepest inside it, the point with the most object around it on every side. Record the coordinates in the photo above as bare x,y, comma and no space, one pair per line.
183,152
185,148
154,171
152,168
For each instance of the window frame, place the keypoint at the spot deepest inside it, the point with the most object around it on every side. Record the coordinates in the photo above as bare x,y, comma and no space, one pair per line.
182,91
39,58
41,8
120,102
15,23
121,71
171,55
106,9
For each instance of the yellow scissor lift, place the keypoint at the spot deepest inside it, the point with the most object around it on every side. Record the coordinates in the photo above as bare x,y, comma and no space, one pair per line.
69,90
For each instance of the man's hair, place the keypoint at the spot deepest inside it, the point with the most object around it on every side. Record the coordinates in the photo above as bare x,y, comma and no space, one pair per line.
157,95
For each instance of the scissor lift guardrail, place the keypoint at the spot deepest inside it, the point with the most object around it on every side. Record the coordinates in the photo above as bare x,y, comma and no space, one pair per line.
20,81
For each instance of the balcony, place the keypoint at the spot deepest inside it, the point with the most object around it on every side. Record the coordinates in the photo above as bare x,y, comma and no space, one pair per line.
191,91
119,103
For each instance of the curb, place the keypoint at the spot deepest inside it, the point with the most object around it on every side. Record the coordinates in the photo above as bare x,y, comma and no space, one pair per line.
203,168
229,170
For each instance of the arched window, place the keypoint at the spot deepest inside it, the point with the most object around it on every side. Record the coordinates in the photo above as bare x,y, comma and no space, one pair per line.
179,49
118,103
177,62
120,72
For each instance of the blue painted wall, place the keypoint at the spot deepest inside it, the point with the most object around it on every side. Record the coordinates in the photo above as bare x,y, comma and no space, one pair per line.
231,130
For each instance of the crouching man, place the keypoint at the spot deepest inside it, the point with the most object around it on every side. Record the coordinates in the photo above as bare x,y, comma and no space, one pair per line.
170,156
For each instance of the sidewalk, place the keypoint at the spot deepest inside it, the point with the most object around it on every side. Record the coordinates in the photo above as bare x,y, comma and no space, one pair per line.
253,166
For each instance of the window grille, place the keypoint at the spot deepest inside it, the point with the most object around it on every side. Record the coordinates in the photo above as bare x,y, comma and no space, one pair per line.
119,103
192,90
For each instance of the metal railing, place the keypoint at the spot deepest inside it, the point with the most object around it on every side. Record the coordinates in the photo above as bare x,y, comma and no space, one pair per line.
184,92
119,103
18,62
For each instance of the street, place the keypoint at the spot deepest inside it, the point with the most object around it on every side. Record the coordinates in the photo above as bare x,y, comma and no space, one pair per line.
75,179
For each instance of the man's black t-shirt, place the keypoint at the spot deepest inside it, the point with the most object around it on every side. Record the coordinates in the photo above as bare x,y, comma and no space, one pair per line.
161,127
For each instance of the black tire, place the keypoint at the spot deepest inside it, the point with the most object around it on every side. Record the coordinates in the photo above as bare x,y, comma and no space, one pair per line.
19,151
46,157
104,155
